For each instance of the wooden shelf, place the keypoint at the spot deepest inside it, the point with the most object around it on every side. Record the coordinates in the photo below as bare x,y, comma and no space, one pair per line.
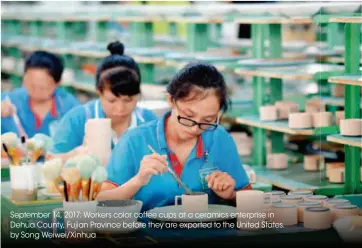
346,19
273,20
347,79
295,178
345,140
301,72
279,126
196,19
138,19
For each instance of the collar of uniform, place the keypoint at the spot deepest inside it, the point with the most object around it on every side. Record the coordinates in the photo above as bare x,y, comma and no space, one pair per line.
53,112
161,138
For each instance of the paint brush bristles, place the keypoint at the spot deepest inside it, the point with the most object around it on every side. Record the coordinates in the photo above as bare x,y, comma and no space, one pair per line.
7,153
65,191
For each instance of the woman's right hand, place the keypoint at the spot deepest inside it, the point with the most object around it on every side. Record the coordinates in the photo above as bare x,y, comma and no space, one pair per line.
153,164
7,108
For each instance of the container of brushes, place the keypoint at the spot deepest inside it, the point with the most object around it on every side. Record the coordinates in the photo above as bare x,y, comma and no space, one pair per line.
23,180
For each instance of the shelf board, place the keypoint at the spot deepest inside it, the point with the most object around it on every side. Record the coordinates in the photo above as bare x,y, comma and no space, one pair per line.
349,19
345,140
138,19
273,20
295,178
300,72
347,79
196,19
279,126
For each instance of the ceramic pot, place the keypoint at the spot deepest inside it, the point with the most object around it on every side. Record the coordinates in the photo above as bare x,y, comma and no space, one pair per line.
301,206
285,214
268,113
312,162
336,175
331,166
291,199
277,161
340,211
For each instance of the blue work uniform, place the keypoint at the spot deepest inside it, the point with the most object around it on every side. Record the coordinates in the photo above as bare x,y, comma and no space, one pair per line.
213,149
26,122
70,132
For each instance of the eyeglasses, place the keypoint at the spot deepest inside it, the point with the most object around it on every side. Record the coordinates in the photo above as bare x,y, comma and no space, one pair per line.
190,123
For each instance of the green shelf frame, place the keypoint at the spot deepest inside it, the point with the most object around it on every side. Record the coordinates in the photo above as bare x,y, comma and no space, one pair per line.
295,178
352,42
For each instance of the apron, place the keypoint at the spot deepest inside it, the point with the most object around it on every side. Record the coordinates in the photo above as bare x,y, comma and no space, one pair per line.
115,138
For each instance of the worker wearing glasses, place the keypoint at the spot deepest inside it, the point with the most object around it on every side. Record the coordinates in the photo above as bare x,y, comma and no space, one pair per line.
188,139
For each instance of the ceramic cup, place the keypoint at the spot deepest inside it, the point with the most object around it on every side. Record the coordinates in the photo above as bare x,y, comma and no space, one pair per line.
329,203
322,119
276,194
340,211
336,175
301,206
122,212
268,113
312,162
23,181
277,161
285,214
250,200
330,166
268,204
291,199
98,138
313,106
316,198
76,212
338,90
302,193
351,127
197,202
285,108
339,117
300,120
317,218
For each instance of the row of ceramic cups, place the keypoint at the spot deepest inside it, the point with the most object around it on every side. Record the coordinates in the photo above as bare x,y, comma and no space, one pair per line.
314,211
102,216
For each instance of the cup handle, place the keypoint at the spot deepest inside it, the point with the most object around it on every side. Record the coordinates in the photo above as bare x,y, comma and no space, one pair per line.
176,199
55,212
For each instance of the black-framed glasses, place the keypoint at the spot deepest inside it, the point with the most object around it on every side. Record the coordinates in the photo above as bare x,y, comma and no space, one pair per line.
191,123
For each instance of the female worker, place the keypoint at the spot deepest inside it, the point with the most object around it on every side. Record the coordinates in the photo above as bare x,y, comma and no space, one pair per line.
39,104
188,139
118,84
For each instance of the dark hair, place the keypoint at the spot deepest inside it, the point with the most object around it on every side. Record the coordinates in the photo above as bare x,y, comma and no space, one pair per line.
118,72
196,77
44,60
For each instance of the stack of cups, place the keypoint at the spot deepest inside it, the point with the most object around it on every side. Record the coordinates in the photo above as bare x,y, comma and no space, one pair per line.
250,209
98,138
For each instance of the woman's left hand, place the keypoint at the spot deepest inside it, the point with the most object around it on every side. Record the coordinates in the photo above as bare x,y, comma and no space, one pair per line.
222,184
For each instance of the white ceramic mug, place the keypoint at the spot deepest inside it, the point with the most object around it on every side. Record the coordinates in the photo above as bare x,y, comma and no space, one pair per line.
251,200
301,206
76,212
285,214
197,202
23,181
317,218
123,212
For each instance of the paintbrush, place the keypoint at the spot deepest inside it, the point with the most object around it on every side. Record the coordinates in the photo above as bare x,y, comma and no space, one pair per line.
7,153
23,142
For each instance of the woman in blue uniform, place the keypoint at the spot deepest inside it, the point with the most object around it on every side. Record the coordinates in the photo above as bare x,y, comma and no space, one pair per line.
39,104
118,84
188,139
